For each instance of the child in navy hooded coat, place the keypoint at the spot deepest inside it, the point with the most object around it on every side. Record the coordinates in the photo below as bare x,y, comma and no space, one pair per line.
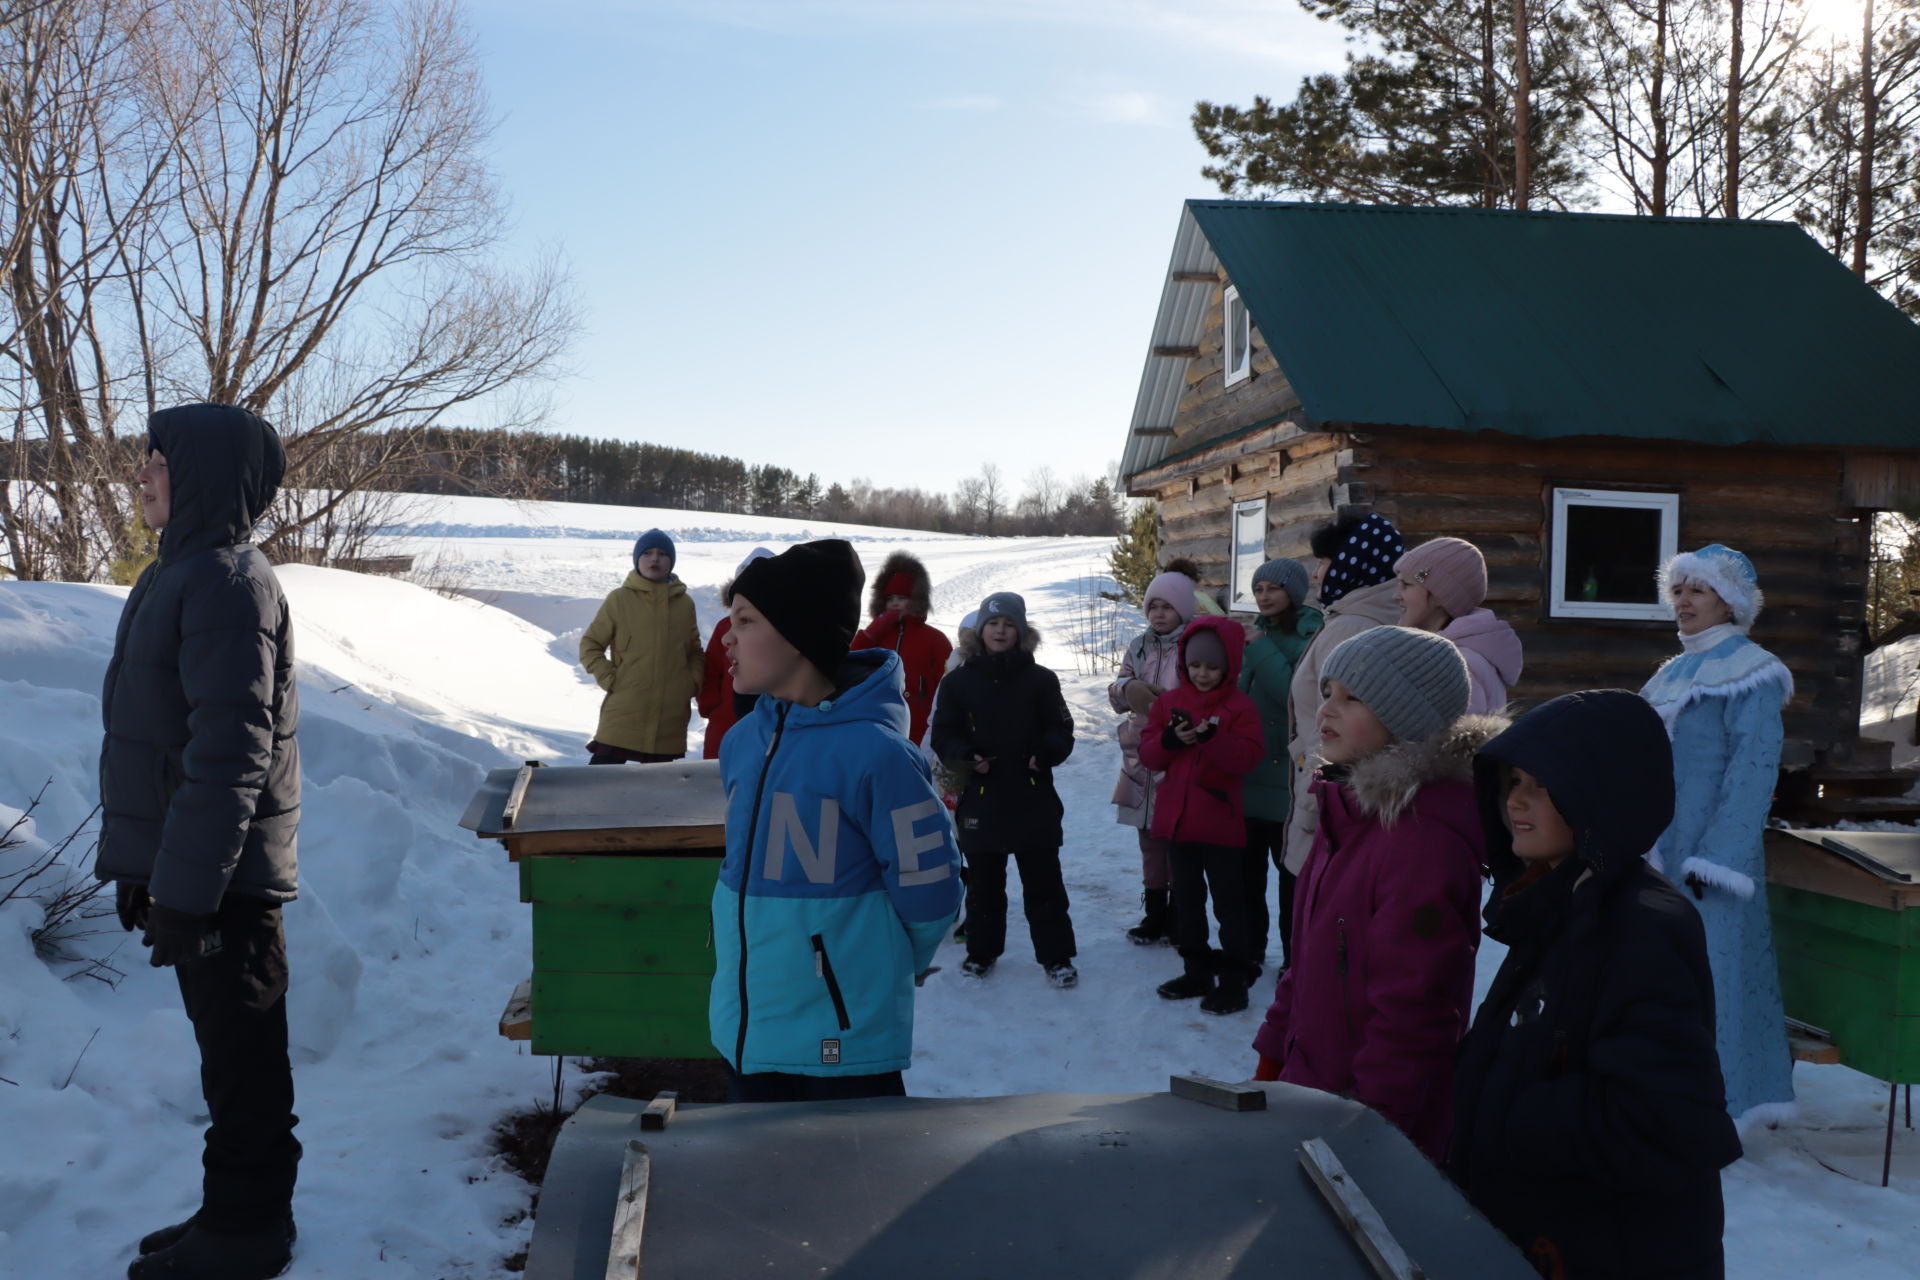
1590,1120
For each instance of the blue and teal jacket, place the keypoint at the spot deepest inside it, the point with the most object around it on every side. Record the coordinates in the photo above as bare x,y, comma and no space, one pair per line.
840,880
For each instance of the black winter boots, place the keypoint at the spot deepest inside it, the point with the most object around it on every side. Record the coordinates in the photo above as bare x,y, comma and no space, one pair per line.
1195,980
1156,927
1229,997
187,1251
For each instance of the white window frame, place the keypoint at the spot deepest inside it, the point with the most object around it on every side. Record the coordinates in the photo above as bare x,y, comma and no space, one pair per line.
1244,369
1239,572
1558,603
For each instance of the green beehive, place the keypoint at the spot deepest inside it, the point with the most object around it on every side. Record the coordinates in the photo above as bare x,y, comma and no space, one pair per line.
1846,926
619,866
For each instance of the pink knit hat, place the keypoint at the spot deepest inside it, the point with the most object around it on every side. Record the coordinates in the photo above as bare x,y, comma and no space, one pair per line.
1176,589
1453,571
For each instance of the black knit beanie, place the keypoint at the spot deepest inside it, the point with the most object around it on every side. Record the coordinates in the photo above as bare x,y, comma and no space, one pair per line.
811,594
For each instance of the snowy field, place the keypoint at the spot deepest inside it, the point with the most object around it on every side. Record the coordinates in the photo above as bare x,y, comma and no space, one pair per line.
408,934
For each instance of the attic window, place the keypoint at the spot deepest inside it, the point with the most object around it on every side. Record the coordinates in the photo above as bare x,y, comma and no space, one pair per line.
1607,546
1239,338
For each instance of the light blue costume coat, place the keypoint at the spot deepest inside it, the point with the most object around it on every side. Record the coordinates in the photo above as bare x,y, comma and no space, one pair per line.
1721,702
839,883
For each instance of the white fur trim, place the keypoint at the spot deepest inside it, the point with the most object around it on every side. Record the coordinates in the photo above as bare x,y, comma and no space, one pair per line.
1654,859
1745,599
1770,672
1740,886
1766,1115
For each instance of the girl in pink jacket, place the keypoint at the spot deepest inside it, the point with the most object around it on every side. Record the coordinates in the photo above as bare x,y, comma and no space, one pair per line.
1386,913
1205,736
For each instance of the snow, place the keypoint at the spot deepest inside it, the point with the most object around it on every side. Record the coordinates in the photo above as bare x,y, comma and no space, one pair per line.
408,934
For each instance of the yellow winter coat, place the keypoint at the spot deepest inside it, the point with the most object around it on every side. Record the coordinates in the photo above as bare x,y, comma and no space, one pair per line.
643,648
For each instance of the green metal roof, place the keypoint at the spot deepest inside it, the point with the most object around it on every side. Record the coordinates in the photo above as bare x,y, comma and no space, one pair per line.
1557,324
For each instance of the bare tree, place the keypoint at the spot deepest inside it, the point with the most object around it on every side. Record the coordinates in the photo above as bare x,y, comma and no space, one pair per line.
281,205
993,495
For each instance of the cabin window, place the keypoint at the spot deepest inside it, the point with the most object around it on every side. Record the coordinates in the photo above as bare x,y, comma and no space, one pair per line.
1249,552
1607,547
1239,338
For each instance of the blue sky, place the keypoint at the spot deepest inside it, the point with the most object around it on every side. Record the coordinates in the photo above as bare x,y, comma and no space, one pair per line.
890,240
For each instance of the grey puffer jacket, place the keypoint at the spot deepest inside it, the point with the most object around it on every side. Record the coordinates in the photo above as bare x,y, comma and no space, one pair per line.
199,772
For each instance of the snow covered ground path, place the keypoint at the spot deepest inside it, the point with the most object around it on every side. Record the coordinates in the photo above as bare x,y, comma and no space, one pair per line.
409,933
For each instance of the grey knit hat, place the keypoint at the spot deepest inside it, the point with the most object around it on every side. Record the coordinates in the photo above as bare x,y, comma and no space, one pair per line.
1414,682
1289,575
1005,604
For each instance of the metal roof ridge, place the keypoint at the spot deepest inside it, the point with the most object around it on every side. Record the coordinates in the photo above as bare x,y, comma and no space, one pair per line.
1554,215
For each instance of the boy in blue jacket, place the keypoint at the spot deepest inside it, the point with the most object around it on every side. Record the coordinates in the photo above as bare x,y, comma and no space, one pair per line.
840,877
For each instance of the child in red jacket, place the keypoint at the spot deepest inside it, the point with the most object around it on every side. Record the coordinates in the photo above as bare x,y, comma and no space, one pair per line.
1386,913
718,703
900,600
1205,735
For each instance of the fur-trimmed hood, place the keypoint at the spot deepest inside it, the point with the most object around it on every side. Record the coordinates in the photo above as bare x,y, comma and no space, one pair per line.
970,646
920,598
1384,784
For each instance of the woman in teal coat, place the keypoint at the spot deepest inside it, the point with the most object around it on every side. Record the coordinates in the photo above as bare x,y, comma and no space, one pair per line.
1721,700
1283,629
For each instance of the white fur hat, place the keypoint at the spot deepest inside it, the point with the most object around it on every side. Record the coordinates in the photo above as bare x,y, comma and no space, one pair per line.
1730,574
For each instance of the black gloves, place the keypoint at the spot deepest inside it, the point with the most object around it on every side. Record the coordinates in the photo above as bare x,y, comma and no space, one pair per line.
178,937
1696,884
130,903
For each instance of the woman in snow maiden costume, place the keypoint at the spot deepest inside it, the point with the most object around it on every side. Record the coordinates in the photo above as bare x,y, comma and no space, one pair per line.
1284,627
1150,668
839,879
1721,701
1386,914
1589,1120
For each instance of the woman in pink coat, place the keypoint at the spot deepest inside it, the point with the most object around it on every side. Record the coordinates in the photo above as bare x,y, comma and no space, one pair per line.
1386,914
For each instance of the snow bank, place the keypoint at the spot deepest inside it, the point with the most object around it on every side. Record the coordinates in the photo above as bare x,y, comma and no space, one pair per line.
409,934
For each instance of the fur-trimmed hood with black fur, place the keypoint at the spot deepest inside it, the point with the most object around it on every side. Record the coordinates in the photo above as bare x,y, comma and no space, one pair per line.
919,600
1385,783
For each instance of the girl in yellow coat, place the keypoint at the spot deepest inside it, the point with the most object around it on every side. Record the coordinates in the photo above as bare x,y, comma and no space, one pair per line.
643,648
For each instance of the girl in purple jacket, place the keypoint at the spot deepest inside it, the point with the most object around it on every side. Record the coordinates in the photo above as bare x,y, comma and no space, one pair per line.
1386,913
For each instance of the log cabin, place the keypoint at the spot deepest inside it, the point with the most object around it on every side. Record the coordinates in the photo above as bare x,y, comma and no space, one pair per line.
1580,395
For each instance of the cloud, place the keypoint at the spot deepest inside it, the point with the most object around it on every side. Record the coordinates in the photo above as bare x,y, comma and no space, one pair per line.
1126,106
963,102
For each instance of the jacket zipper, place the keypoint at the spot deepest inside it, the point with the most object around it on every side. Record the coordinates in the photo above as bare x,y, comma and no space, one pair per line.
824,968
746,876
1346,988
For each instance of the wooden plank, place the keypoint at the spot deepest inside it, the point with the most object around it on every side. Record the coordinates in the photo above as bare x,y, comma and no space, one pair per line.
1196,277
1356,1213
616,840
516,1020
1177,353
518,795
1218,1093
659,1112
1807,1047
629,1213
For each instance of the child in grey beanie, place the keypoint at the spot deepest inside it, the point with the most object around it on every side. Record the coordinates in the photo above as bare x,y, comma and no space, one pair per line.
1414,682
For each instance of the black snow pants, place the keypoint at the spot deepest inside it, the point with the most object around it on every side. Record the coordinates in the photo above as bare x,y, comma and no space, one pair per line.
1200,870
1043,892
236,999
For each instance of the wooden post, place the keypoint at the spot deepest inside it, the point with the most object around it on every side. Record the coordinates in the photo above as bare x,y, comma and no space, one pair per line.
1218,1093
659,1112
1356,1213
629,1214
517,796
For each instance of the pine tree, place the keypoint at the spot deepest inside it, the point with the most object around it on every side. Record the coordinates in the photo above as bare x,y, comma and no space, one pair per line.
143,545
1135,558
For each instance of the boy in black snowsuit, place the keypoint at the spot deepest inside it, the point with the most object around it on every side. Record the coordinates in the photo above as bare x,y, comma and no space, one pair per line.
1590,1119
1000,728
200,802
